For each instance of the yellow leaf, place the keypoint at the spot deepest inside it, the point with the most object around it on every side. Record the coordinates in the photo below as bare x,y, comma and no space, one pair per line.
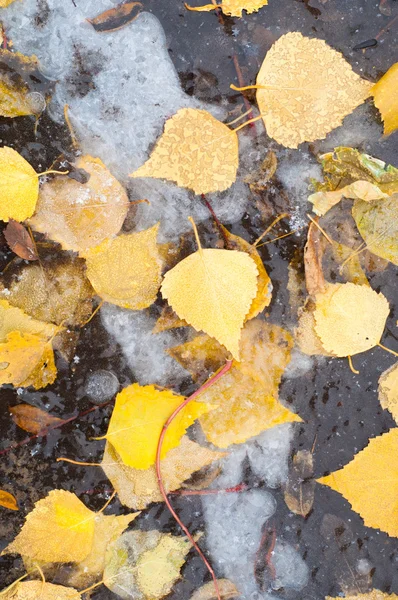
305,334
201,356
27,359
14,319
307,89
78,215
248,394
138,418
232,8
5,3
59,529
196,151
39,590
372,595
350,318
145,564
7,500
362,190
388,390
19,186
370,483
385,98
136,488
17,98
199,290
378,225
126,270
264,285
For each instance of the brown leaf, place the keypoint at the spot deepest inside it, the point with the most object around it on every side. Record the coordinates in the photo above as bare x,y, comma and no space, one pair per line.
116,17
313,252
19,241
300,488
7,500
32,419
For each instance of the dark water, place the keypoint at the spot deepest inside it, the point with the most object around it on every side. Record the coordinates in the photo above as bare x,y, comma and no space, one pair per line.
340,410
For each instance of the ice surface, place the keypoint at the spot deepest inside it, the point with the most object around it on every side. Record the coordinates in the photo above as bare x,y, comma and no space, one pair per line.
268,454
101,385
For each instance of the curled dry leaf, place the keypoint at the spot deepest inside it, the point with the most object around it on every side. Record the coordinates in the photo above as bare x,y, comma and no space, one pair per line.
299,491
117,17
145,564
350,318
81,215
126,270
199,290
378,225
306,89
264,285
137,421
359,190
196,151
8,500
39,590
313,252
136,488
385,98
16,97
388,390
201,356
19,241
247,396
207,592
370,483
232,8
19,186
32,419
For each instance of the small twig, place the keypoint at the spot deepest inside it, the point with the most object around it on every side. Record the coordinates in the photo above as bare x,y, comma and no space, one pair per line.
162,489
216,219
241,487
386,28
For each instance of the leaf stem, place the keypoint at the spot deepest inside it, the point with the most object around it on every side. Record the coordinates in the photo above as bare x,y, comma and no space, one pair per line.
387,349
166,425
190,219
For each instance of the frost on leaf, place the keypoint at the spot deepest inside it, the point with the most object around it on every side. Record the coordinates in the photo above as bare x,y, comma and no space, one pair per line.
145,564
127,269
81,215
196,151
377,223
370,483
137,421
350,318
19,186
247,396
388,390
232,8
385,98
136,488
16,98
39,590
199,290
307,89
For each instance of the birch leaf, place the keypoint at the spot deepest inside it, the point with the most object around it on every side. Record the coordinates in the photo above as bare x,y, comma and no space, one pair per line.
201,356
15,319
370,483
248,394
378,225
5,3
19,186
137,421
136,488
372,595
350,318
308,89
16,97
388,390
59,529
168,320
232,8
199,290
27,359
19,241
196,151
78,215
126,271
362,190
207,591
385,99
7,500
39,590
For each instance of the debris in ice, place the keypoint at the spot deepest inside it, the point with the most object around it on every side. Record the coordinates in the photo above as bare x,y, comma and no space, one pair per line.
101,386
268,454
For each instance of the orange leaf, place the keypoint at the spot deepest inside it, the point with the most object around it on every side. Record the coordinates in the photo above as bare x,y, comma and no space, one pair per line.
32,419
19,241
8,500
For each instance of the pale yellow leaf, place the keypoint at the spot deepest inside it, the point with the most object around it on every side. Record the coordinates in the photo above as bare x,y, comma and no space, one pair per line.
27,359
81,215
370,483
19,186
14,319
196,151
308,89
305,333
127,269
136,488
39,590
199,291
388,390
59,529
386,100
5,3
350,318
138,418
362,190
378,225
372,595
201,356
232,8
207,592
